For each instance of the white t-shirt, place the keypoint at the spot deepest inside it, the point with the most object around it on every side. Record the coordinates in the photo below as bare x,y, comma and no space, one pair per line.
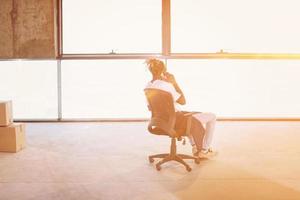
165,86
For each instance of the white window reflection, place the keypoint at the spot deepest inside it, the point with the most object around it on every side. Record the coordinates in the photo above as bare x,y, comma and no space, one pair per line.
32,86
257,26
240,88
103,26
104,89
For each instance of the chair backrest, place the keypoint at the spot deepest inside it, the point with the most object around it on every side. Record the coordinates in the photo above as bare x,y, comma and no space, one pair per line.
162,108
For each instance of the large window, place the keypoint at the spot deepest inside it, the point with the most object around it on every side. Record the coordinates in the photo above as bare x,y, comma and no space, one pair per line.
32,86
103,26
240,88
104,89
100,73
256,26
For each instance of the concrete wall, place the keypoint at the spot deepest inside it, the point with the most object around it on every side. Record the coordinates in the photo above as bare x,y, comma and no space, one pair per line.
27,29
6,39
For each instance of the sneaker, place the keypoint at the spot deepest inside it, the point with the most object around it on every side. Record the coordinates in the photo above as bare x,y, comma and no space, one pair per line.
207,153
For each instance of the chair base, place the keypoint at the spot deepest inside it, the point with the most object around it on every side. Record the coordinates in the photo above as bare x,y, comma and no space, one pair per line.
177,157
166,157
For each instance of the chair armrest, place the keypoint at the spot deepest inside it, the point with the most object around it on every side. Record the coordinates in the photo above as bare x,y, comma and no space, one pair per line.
191,113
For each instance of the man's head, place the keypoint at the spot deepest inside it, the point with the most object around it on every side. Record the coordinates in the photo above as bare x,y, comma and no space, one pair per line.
156,67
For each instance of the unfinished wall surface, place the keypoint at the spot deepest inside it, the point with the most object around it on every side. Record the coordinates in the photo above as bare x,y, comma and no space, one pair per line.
27,29
6,37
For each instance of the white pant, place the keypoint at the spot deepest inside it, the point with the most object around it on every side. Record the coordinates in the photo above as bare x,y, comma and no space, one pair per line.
208,121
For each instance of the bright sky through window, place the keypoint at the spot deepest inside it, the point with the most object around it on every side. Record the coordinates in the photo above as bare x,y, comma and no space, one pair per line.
256,26
103,26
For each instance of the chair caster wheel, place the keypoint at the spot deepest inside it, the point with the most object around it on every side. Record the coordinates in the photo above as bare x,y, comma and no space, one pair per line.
197,161
158,167
151,160
188,169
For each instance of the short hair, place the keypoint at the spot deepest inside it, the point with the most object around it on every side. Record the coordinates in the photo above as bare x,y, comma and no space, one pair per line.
155,66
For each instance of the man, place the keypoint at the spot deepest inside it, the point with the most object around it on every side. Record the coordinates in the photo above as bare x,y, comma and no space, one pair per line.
202,125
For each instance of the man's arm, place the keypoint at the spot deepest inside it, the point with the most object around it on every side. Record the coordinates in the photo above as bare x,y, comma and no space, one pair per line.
171,79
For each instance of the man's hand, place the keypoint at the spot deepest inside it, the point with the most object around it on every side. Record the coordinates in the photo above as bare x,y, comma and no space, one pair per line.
170,78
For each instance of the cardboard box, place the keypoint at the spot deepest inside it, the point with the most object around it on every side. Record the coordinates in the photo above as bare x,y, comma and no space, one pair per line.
12,138
6,117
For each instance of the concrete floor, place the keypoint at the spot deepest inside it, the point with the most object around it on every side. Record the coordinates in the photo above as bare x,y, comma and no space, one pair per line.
108,161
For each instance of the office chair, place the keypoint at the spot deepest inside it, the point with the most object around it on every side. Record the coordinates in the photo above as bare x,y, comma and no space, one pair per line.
162,122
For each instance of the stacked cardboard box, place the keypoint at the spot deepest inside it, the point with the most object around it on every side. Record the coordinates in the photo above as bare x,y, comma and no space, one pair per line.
12,135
